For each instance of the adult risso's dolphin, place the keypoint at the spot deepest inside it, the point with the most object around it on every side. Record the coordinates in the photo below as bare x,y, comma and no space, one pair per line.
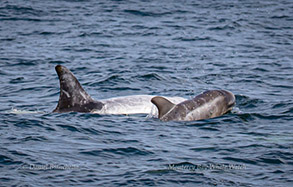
73,98
209,104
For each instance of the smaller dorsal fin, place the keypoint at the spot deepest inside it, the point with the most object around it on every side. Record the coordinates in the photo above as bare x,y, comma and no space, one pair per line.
163,105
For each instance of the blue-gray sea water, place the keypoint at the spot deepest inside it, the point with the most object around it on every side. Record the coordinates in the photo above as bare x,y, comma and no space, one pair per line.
171,48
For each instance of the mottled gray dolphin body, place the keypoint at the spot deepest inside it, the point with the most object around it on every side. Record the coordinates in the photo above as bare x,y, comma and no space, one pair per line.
73,98
209,104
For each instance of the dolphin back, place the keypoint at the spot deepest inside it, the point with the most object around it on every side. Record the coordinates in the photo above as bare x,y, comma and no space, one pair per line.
209,104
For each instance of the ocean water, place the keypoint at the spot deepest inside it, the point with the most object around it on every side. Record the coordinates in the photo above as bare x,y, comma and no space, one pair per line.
171,48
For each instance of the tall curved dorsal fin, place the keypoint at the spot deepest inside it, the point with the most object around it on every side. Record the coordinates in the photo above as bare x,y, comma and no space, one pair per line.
163,105
72,95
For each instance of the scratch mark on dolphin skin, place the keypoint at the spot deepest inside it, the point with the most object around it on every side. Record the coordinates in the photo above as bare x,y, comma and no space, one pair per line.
82,94
66,93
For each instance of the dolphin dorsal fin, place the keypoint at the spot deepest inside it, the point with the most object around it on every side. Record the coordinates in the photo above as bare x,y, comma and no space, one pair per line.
72,96
163,105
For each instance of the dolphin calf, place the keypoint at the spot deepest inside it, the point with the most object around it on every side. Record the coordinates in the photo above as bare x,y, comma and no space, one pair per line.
209,104
73,98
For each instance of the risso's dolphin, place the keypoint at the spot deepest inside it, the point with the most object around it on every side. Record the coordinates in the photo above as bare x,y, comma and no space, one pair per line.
209,104
73,98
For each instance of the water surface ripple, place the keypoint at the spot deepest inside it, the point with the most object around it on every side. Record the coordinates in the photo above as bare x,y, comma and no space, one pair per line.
172,48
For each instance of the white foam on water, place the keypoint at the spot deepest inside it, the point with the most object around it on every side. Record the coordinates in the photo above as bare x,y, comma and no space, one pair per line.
18,111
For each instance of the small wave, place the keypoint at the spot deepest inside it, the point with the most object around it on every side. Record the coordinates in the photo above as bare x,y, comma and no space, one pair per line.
102,34
272,160
17,80
5,160
21,19
247,102
23,62
110,79
58,62
251,116
191,39
241,160
91,131
281,17
209,128
34,138
69,127
157,171
258,69
22,10
144,13
128,151
269,116
205,149
151,76
92,153
289,111
7,39
224,27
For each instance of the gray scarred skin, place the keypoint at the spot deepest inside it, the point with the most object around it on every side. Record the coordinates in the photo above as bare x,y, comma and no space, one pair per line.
73,98
209,104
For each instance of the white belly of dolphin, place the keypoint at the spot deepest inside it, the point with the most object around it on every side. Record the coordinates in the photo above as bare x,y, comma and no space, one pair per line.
135,104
